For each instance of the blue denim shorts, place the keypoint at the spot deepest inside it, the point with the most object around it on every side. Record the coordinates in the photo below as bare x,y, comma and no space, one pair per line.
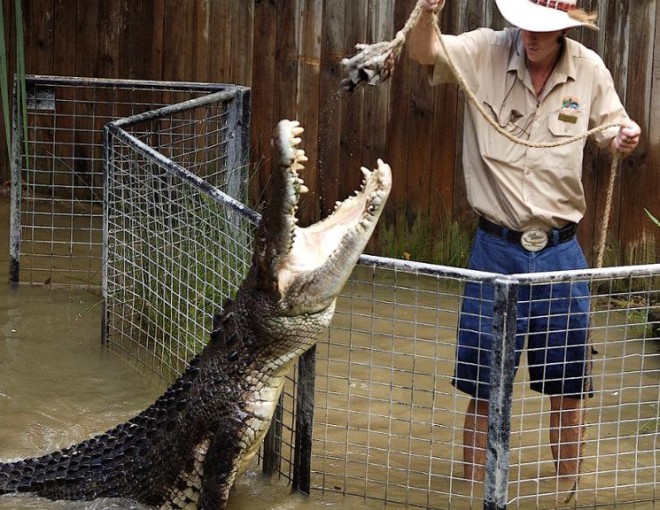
554,318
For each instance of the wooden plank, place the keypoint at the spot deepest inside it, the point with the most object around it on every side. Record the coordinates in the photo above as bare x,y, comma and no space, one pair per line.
155,69
653,136
376,100
65,38
616,59
420,147
140,44
87,28
446,134
263,121
399,126
220,40
308,97
241,42
637,176
39,35
376,107
200,36
461,210
351,105
332,51
110,36
284,90
177,45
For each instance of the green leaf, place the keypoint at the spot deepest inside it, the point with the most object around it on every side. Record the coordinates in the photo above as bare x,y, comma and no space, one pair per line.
4,78
653,218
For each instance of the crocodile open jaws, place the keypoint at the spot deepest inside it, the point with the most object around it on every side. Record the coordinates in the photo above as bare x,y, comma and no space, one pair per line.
186,450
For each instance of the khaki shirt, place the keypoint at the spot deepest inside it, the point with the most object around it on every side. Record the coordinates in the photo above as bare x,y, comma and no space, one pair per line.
510,184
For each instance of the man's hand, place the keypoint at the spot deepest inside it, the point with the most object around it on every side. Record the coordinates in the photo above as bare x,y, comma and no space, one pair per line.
627,138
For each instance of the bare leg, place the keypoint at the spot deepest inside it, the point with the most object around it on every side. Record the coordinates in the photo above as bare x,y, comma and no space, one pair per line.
475,438
566,435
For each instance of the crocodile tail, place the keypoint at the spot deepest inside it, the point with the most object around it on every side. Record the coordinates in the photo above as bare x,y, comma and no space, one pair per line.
131,460
63,474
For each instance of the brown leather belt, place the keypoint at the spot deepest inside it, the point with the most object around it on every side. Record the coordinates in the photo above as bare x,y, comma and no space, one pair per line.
555,236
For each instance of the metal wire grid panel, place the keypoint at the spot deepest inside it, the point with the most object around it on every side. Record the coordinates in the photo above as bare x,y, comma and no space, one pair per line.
621,457
177,246
179,239
389,424
57,170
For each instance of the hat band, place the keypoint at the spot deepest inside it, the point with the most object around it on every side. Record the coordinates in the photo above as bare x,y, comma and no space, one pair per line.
556,4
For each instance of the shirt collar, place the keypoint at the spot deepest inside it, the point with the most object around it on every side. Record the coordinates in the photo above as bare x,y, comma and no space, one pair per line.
564,70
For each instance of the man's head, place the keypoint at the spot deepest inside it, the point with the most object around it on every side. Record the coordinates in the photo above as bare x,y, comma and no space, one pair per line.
546,15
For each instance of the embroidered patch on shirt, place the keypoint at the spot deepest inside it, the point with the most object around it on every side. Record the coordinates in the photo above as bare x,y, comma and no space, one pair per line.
570,109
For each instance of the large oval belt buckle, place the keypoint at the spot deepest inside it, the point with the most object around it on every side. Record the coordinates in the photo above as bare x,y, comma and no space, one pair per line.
534,239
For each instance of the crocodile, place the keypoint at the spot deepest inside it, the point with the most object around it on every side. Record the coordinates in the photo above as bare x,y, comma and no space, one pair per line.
186,450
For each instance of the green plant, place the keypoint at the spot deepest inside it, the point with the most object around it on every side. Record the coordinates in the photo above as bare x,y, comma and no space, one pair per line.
5,82
410,236
653,218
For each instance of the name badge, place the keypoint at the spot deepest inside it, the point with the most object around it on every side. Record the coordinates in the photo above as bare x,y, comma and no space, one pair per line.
570,109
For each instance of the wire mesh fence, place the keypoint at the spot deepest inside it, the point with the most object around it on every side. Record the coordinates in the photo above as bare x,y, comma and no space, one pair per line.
388,425
177,246
56,227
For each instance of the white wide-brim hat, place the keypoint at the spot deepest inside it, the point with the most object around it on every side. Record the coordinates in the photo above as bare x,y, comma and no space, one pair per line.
541,15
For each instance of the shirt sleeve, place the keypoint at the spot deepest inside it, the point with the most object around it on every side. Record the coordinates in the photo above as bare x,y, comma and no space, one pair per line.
468,51
606,106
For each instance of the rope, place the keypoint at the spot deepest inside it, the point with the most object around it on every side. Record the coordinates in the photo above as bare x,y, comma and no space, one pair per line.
367,68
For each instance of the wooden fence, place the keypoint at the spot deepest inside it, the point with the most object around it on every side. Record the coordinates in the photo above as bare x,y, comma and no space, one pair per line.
289,52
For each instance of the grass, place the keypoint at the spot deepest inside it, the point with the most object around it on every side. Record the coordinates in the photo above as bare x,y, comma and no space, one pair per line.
408,236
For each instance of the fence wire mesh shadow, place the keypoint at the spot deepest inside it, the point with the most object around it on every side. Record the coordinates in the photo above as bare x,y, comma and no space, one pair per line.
56,231
389,424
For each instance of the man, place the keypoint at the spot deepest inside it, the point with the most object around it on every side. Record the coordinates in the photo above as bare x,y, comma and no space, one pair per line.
542,87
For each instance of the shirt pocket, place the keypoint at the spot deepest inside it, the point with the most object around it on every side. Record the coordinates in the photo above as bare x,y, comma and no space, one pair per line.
564,124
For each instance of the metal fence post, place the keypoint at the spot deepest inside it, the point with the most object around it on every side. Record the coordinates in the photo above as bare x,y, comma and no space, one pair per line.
302,459
501,388
272,449
18,137
238,145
